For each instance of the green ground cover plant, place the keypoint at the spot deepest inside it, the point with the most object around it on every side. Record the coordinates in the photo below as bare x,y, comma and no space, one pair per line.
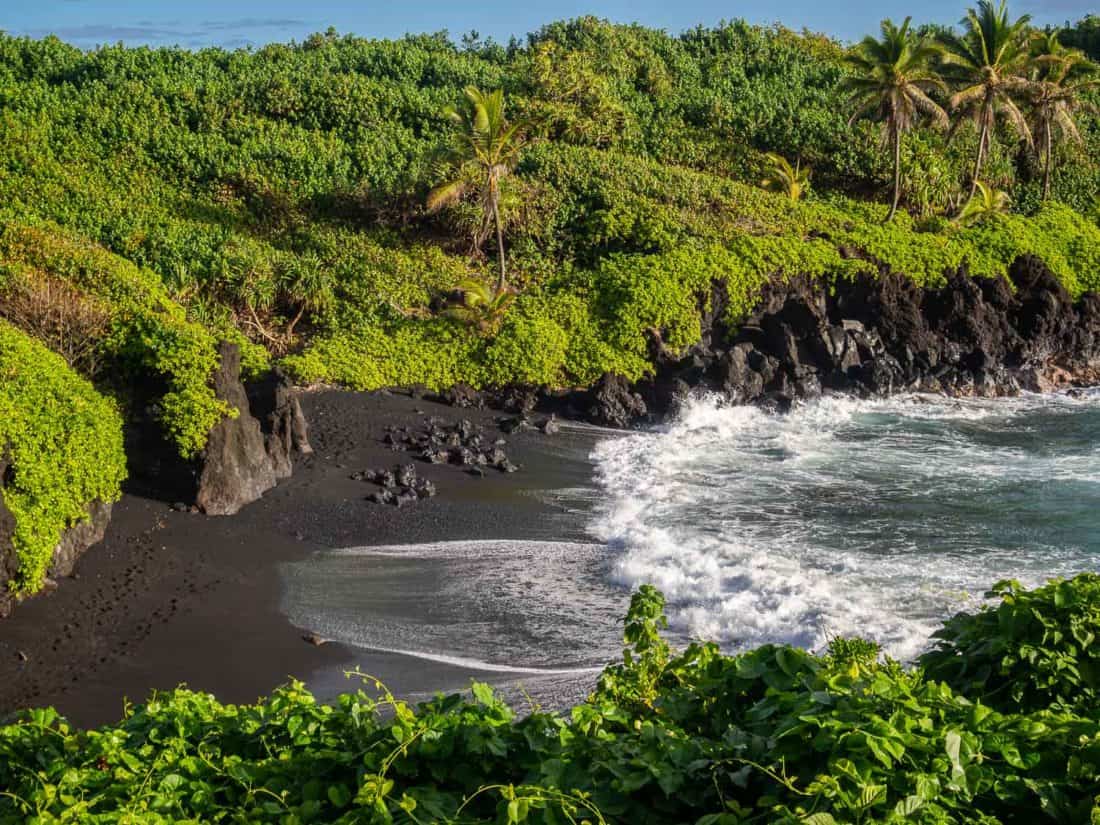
63,442
775,734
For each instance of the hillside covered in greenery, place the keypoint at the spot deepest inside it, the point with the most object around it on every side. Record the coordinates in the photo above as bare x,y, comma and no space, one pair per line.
279,197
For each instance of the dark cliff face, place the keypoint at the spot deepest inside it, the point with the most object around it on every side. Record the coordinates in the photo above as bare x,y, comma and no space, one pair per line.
245,455
874,336
235,466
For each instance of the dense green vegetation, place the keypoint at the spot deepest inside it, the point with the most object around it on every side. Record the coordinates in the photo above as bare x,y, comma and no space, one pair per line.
282,195
772,735
63,442
1084,36
145,326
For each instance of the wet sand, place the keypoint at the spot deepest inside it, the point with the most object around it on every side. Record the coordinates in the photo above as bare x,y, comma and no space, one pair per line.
171,598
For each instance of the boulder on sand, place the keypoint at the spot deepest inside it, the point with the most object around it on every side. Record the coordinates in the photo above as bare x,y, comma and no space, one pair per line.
614,403
243,458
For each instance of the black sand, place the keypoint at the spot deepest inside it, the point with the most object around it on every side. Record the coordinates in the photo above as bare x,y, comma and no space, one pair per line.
172,598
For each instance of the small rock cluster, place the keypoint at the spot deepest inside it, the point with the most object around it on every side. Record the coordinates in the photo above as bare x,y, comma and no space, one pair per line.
518,423
400,486
461,444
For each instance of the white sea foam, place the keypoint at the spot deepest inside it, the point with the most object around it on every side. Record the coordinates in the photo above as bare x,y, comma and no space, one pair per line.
466,663
848,517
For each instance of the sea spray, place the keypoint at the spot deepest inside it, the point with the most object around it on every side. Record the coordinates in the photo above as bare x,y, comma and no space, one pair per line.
849,517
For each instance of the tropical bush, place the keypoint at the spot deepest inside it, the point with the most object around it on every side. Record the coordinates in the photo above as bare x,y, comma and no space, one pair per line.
63,442
148,331
775,734
1036,649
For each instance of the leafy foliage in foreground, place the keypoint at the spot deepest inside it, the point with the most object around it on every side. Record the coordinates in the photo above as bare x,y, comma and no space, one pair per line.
64,444
773,735
1037,649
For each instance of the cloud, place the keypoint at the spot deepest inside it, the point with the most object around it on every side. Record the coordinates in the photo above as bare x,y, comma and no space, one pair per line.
106,32
1061,8
228,33
237,43
245,23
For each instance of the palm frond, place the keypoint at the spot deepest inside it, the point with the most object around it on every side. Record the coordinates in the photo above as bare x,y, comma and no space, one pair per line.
986,203
791,181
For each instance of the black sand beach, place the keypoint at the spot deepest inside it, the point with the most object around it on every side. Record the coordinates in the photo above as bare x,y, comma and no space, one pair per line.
172,598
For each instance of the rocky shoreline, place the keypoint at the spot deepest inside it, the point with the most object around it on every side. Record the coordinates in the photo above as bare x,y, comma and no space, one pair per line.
876,337
866,337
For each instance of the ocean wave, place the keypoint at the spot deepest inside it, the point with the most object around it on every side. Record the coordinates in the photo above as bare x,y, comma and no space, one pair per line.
518,606
850,517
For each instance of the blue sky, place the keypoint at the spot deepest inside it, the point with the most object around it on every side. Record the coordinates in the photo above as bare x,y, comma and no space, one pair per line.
195,23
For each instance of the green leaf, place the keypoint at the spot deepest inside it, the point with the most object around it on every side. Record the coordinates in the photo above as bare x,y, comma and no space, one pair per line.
908,806
879,750
953,746
518,810
339,795
871,795
483,693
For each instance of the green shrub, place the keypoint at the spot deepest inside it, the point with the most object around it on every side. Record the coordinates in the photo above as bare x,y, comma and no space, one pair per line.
1035,650
64,443
437,353
530,349
149,331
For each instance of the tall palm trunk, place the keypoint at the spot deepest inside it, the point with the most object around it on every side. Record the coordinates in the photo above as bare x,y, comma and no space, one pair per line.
897,173
500,242
1049,163
982,140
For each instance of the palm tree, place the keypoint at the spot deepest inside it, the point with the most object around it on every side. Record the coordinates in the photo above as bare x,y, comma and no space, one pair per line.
985,203
307,283
784,179
482,307
892,80
992,56
1060,76
486,148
